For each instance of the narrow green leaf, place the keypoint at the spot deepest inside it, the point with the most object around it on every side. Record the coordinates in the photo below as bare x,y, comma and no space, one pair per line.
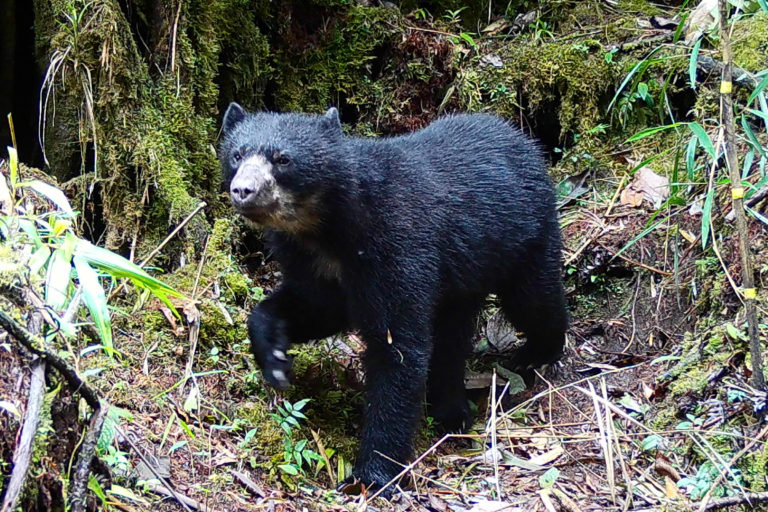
759,113
59,270
651,131
690,157
638,237
758,89
706,216
96,301
749,159
633,71
693,62
117,266
53,194
763,5
703,137
756,215
38,259
29,229
300,404
13,163
751,135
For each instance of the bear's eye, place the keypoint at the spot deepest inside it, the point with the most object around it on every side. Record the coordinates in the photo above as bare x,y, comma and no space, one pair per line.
282,160
237,157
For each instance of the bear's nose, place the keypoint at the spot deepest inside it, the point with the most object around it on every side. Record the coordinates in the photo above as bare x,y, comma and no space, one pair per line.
241,193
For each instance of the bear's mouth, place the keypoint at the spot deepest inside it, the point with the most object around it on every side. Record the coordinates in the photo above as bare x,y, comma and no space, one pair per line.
260,214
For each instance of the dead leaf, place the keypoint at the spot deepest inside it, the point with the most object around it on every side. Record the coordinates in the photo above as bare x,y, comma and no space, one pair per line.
701,19
496,27
670,488
177,329
653,187
493,506
547,457
631,197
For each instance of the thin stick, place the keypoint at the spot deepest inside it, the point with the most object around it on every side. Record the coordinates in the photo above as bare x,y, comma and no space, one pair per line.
178,228
83,467
13,130
23,452
747,273
185,502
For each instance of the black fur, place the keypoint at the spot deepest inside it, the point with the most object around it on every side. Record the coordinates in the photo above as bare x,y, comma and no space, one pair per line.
411,234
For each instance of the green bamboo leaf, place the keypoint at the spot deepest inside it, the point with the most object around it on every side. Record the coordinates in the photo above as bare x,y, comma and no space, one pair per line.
749,159
692,63
759,113
96,302
763,5
29,229
651,131
758,89
119,267
53,194
751,135
703,137
57,281
642,64
690,157
706,217
13,163
38,259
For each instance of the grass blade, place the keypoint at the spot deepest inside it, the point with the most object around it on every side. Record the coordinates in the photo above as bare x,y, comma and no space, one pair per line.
96,301
13,163
58,278
629,76
758,89
53,194
690,157
703,137
751,136
650,131
692,63
117,266
706,217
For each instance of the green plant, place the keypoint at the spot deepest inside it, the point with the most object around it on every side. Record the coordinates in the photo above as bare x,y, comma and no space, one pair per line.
699,485
296,456
69,265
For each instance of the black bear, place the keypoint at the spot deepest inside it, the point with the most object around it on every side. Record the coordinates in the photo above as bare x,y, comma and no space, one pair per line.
401,239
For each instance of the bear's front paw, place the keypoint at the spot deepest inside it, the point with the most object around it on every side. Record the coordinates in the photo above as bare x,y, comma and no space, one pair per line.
277,369
369,482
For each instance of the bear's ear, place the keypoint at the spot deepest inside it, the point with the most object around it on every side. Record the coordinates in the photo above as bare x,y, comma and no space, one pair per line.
331,120
234,116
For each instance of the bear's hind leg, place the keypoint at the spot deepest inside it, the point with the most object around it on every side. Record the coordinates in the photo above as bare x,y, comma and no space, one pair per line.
535,304
446,396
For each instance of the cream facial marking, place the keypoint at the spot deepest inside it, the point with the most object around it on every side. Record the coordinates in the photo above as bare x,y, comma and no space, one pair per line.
254,183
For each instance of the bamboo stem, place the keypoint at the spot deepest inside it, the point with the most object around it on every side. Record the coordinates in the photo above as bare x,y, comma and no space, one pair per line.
748,291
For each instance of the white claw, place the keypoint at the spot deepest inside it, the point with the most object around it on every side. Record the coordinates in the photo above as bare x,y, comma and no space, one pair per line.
279,354
279,376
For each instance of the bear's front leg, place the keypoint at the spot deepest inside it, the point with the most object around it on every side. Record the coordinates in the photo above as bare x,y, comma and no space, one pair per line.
396,367
298,311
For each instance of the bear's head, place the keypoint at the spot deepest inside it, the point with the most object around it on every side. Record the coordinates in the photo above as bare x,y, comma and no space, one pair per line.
278,167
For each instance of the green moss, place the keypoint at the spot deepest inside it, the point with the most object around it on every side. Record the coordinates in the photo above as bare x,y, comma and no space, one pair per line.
750,42
315,70
571,76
